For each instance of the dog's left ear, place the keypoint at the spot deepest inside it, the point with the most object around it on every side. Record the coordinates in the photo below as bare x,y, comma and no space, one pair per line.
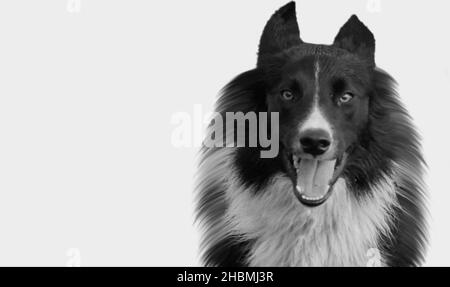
356,38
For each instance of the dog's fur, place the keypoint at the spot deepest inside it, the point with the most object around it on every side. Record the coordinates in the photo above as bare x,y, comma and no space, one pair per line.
246,207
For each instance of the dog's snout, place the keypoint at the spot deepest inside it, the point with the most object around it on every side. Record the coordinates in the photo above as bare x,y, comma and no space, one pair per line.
315,142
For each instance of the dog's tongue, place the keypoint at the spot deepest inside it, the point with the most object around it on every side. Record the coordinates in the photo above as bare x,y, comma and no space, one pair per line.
313,176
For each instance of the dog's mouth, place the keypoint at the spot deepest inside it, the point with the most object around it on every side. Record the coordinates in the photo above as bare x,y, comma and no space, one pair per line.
314,179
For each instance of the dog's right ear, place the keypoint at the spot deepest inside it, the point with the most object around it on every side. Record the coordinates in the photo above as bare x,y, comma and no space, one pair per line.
280,33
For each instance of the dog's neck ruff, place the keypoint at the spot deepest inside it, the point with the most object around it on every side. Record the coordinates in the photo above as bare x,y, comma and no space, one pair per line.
341,232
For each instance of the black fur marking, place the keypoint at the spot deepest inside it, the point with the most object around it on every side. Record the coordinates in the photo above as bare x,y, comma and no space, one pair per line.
255,171
231,251
246,93
339,86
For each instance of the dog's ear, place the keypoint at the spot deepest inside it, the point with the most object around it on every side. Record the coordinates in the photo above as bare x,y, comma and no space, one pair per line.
356,38
281,32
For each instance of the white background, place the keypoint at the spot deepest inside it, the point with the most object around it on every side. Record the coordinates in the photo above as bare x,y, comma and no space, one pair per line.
87,94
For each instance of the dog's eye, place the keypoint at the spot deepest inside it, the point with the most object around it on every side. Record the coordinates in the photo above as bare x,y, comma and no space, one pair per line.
345,98
287,95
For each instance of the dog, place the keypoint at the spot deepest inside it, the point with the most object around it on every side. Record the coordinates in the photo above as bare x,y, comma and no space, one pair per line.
347,183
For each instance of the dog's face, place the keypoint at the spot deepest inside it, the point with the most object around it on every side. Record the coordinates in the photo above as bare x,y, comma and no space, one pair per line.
321,95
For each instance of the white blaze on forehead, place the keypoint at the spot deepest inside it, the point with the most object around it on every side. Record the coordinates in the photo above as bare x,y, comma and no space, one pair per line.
316,119
316,80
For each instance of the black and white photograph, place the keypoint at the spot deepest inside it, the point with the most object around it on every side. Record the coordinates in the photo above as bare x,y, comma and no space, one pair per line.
224,134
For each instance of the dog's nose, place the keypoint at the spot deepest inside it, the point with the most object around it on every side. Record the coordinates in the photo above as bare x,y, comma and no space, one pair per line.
315,142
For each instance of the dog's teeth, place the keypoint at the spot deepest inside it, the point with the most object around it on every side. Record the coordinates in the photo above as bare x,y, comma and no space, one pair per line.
309,197
312,198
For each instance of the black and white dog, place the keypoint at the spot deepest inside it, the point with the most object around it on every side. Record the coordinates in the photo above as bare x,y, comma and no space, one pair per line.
348,175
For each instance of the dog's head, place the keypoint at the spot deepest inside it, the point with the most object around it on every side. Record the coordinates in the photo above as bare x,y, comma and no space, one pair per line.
321,93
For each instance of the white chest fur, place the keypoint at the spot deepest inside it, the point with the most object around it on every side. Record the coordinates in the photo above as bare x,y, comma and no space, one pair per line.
340,232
